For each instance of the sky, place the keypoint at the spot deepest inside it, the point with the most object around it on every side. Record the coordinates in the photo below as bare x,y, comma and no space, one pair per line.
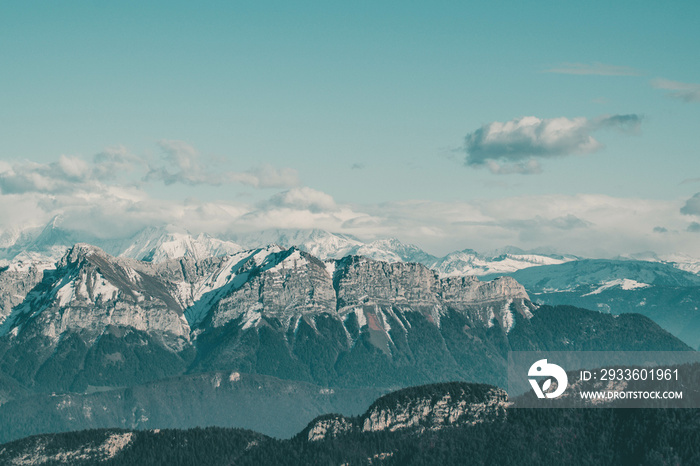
571,126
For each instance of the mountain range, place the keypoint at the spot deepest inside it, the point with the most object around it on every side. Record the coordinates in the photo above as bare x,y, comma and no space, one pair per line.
665,290
156,244
104,341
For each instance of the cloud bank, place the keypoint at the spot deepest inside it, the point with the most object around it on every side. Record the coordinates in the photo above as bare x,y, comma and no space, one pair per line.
180,164
68,174
515,146
99,196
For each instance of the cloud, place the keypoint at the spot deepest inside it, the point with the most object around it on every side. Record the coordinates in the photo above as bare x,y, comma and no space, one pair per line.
566,222
687,92
625,123
97,196
694,227
514,146
304,198
595,68
587,225
68,174
183,164
692,205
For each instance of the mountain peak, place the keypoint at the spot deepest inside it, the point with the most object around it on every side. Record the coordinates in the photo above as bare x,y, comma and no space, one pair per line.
79,252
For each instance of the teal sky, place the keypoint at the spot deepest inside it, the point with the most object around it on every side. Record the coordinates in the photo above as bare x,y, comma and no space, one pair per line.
370,102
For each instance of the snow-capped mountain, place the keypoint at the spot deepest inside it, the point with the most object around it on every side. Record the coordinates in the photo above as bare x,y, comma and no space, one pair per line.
469,262
96,299
599,272
157,244
152,244
161,244
393,250
47,244
320,243
327,245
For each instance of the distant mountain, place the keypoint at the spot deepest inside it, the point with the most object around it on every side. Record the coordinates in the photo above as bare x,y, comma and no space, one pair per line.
161,244
666,294
469,262
157,244
319,243
598,272
46,244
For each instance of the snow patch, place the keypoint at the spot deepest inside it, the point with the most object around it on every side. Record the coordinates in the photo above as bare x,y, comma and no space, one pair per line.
66,293
330,268
624,283
508,319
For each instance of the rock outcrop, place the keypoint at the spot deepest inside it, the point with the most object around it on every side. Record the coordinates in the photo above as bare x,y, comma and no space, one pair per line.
417,409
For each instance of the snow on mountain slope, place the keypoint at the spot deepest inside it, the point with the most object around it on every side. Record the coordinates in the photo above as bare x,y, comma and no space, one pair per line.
48,244
469,262
683,262
319,243
598,272
217,277
623,283
159,244
393,250
90,290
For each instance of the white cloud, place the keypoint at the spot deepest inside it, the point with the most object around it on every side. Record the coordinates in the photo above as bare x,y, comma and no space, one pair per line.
588,225
181,163
595,68
514,146
687,92
304,198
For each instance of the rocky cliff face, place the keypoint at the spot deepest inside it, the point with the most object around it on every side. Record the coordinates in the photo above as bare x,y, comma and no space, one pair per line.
90,290
434,413
16,281
284,285
289,284
97,311
417,409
